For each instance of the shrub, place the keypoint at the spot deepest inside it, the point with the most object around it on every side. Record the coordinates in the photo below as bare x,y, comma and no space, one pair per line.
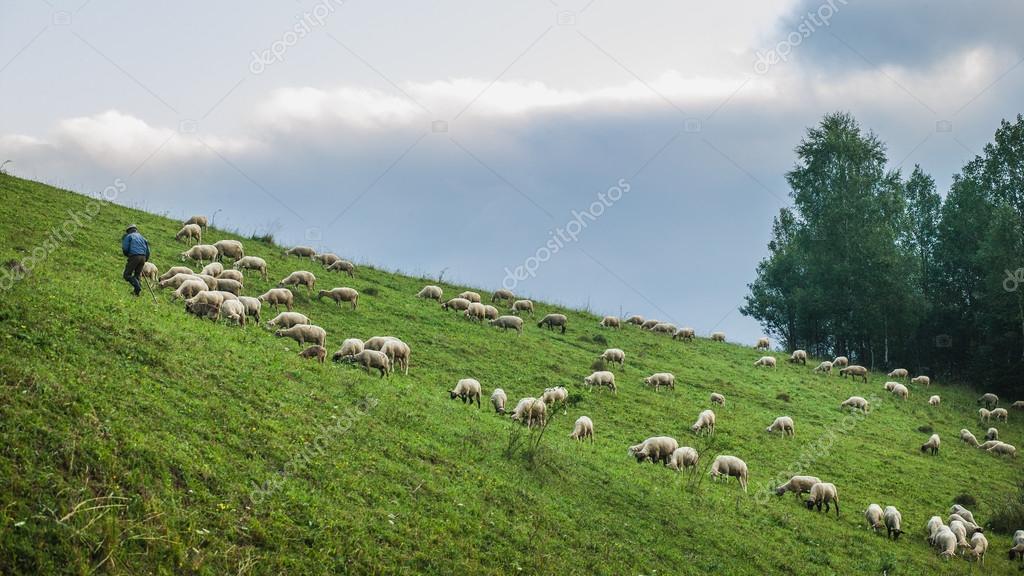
600,339
926,429
598,364
965,500
1009,516
371,291
783,396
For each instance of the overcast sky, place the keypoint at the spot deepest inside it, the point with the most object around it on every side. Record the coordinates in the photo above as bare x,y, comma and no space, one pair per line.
631,156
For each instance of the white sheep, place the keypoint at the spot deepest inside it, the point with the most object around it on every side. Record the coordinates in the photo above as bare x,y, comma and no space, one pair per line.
855,402
475,311
531,412
301,252
174,271
349,347
1004,449
197,220
766,361
782,424
659,379
968,438
498,400
893,522
854,371
557,395
188,289
287,319
683,457
253,306
178,279
797,485
343,266
200,253
1000,414
654,449
718,336
229,285
231,275
978,547
962,512
635,319
601,378
841,362
471,296
932,445
276,296
992,434
190,232
341,294
763,343
717,398
299,278
522,306
230,248
326,258
648,324
921,380
958,528
377,342
614,355
984,415
825,367
988,444
933,527
502,295
582,429
664,328
685,334
898,389
251,263
506,322
705,422
798,357
370,359
398,354
456,303
553,321
1017,545
490,312
233,310
467,390
823,494
1018,405
969,525
150,272
725,465
898,373
945,542
610,322
989,399
935,400
302,333
431,292
873,515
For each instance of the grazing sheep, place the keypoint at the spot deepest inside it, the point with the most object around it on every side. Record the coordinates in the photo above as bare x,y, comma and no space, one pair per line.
666,379
958,528
683,457
557,395
522,306
992,434
553,321
231,275
233,310
202,309
782,424
799,357
318,352
962,512
984,415
276,296
490,312
610,322
251,263
190,232
287,319
301,252
705,422
854,371
299,278
188,289
899,390
825,367
934,400
498,399
717,398
369,359
766,361
211,297
398,354
725,465
898,373
471,296
327,258
798,485
978,547
583,429
253,306
1018,405
874,517
763,344
211,282
933,528
893,522
506,322
685,334
178,279
174,271
823,493
1000,414
475,311
456,303
718,336
855,402
502,295
530,412
343,266
648,324
230,248
601,378
655,449
349,347
377,342
932,445
987,444
841,362
635,319
466,390
614,355
945,542
198,221
969,525
150,272
921,380
431,292
303,332
229,285
200,253
1017,546
1003,448
340,294
664,328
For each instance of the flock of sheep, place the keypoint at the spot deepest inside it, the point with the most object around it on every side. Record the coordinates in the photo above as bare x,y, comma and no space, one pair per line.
215,292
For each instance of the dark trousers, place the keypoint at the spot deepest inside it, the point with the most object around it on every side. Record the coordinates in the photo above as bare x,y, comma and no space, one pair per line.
133,269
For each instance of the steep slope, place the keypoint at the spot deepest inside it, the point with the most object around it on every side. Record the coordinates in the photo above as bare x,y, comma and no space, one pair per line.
136,439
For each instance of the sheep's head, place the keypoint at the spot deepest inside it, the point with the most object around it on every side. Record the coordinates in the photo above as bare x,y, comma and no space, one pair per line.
810,503
780,490
453,394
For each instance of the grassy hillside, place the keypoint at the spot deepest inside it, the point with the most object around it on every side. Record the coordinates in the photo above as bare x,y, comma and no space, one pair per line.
136,439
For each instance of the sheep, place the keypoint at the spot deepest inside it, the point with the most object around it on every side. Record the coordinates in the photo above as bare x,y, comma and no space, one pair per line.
1017,547
825,367
610,322
782,424
725,465
893,522
303,332
457,304
212,297
874,517
471,296
530,412
174,271
583,429
664,328
933,527
1002,449
855,402
921,381
797,485
498,399
841,362
326,259
556,395
962,512
1018,405
945,541
685,334
992,434
502,295
233,310
202,309
178,279
230,248
522,306
200,253
635,319
340,294
189,233
601,378
988,444
766,361
276,296
984,415
932,445
299,278
198,221
318,352
287,319
1000,414
798,357
823,493
211,282
229,285
553,321
718,336
150,272
231,275
898,390
506,322
659,379
349,347
301,252
467,389
683,457
958,528
969,525
490,312
251,263
188,289
763,344
978,547
377,342
343,266
369,359
431,292
935,400
648,324
475,311
705,422
614,355
398,354
654,449
854,371
717,398
253,306
898,373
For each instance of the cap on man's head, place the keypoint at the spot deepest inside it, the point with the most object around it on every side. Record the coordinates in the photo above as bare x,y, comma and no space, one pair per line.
131,227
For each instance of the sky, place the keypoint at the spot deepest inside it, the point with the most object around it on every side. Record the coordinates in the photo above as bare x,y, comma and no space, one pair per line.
622,157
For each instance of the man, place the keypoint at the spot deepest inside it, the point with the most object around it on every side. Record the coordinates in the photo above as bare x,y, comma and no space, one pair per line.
135,247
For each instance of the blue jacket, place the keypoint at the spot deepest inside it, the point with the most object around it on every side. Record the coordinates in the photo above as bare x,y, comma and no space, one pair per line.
134,244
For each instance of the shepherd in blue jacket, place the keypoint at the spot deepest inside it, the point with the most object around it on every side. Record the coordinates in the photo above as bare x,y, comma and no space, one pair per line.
135,247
